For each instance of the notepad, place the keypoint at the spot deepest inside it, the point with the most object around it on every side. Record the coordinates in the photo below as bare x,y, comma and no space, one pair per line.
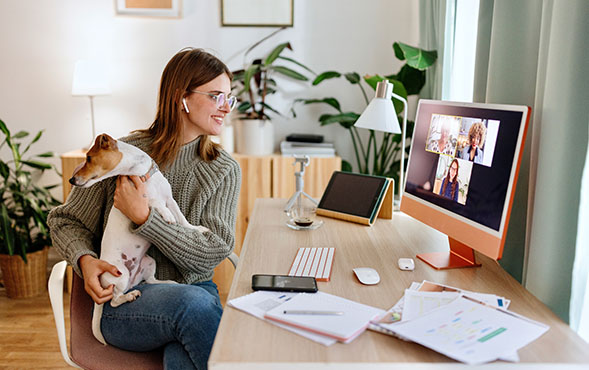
344,327
314,262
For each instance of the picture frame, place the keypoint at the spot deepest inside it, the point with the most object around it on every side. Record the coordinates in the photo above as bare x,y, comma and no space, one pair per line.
153,8
257,13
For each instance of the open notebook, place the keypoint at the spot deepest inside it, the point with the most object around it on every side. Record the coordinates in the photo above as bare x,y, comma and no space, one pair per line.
354,317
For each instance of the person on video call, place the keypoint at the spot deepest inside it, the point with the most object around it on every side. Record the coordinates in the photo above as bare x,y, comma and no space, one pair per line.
476,137
445,144
450,183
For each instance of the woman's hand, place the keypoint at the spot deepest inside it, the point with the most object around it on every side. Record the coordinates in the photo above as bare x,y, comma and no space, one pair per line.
131,199
92,268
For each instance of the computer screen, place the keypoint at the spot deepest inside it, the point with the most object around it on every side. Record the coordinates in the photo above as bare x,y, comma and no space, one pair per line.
462,172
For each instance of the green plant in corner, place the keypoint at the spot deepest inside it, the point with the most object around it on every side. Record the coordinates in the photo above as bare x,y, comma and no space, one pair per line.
374,157
255,82
25,205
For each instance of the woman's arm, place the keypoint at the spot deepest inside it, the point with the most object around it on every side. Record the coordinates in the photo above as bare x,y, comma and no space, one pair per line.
76,226
191,250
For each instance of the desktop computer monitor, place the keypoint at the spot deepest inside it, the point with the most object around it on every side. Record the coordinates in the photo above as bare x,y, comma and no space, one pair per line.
461,175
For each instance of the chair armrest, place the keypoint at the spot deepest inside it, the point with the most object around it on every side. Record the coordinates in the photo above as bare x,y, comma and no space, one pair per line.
234,259
55,287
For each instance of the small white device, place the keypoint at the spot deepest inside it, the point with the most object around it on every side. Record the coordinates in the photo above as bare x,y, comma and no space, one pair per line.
406,264
185,106
367,275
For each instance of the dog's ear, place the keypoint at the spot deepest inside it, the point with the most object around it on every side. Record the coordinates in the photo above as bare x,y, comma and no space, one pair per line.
107,142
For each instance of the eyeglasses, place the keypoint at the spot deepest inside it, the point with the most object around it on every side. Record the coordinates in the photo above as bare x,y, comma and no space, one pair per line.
221,99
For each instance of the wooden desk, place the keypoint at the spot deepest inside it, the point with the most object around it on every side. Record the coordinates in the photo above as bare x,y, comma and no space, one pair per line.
244,341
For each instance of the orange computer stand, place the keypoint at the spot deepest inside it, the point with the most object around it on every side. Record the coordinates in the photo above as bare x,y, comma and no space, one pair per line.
459,255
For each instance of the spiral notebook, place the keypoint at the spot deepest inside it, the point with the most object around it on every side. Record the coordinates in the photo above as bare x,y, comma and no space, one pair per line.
351,319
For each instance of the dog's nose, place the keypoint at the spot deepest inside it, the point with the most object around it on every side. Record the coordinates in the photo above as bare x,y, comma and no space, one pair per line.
73,181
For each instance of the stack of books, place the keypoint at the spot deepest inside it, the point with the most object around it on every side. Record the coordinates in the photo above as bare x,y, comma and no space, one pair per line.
290,148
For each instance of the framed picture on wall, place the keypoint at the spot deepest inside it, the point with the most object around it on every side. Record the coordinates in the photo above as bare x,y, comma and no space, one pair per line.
257,13
154,8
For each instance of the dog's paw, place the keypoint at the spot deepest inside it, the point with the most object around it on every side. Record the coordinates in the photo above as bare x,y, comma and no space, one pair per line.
202,229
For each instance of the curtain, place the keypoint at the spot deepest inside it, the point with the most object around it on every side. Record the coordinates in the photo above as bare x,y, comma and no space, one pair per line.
436,33
579,311
534,53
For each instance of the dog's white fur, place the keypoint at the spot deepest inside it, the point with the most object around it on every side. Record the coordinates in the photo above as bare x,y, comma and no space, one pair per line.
119,246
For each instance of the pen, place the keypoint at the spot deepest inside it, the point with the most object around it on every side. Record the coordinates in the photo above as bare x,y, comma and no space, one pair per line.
308,312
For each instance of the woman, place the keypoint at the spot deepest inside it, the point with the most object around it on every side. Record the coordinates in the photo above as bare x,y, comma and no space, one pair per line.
476,137
445,144
194,98
450,183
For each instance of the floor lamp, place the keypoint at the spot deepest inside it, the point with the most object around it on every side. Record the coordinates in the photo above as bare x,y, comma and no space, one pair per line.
380,115
90,80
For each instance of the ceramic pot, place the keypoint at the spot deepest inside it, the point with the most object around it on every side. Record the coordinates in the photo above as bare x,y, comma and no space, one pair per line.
254,137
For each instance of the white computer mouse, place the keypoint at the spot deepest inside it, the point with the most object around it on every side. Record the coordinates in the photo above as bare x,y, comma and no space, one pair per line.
367,275
406,264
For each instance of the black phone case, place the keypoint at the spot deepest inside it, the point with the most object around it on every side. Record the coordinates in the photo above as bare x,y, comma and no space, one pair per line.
285,289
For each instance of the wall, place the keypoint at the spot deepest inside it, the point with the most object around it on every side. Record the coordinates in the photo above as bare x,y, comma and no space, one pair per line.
42,39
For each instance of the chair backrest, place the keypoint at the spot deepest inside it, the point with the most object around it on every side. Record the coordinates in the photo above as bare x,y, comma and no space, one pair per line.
89,353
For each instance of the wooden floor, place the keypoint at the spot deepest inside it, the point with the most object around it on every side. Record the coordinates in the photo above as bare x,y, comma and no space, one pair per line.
28,339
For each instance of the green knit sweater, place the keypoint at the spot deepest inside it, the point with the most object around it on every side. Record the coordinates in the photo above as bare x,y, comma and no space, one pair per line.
207,194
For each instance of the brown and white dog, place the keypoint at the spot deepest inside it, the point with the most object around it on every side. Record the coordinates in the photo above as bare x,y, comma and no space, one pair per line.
120,247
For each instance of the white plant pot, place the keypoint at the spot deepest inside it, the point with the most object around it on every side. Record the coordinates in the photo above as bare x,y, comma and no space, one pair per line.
254,137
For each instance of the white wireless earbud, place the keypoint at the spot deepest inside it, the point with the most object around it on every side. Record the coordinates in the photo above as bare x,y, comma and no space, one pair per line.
185,106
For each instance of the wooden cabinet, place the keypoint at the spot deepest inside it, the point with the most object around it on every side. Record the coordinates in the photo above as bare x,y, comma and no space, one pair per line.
261,177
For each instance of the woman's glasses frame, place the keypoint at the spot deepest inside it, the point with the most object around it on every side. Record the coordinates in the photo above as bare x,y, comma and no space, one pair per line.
220,99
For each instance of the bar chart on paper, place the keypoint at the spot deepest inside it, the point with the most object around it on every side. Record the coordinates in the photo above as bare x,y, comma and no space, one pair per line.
314,262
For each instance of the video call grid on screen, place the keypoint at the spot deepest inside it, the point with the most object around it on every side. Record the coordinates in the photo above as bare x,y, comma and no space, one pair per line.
483,179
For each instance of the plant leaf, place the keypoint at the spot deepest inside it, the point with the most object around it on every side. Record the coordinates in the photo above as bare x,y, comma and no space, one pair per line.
416,58
325,76
275,53
346,166
346,120
20,135
37,164
45,155
249,73
413,79
7,230
289,73
4,129
398,51
331,101
4,170
353,77
297,63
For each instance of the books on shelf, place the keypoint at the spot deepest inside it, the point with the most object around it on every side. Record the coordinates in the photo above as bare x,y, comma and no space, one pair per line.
324,149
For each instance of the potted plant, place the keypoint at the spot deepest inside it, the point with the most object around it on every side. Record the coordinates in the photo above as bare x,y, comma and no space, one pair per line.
374,157
24,235
253,85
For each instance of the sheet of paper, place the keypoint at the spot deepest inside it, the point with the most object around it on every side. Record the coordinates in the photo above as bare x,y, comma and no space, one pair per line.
491,299
418,303
471,332
258,303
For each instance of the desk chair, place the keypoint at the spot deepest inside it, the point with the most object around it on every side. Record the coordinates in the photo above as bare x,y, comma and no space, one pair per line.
87,352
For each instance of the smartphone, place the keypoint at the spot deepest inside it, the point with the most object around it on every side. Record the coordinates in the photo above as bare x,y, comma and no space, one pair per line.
284,283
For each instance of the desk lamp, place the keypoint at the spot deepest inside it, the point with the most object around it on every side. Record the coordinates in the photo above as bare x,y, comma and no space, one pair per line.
90,80
380,115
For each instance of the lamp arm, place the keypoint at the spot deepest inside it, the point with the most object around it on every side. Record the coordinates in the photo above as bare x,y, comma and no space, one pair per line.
402,176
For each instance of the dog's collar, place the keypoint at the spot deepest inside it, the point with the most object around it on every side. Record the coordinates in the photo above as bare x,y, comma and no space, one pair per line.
153,169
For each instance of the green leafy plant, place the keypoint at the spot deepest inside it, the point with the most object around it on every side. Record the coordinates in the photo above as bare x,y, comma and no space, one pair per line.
373,157
25,205
256,81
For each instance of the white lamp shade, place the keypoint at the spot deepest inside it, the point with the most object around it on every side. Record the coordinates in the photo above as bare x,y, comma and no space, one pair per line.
380,115
90,79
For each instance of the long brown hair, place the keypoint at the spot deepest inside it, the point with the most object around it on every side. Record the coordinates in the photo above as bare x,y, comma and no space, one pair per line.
187,70
454,183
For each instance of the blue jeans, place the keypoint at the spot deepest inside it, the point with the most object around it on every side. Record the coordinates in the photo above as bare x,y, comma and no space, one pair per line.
182,318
